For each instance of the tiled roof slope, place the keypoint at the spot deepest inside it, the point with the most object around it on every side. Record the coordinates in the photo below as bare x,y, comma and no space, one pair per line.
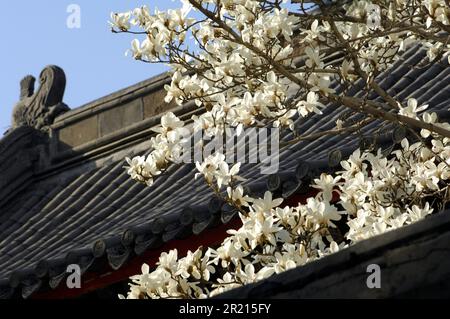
93,211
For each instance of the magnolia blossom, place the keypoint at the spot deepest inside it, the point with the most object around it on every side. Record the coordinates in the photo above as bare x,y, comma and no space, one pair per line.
237,196
248,63
326,183
216,168
375,192
412,109
273,237
121,21
311,104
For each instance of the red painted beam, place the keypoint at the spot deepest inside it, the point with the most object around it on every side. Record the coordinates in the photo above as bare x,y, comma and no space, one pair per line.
296,199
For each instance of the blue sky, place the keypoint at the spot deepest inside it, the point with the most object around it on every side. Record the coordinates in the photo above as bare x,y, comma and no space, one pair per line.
35,34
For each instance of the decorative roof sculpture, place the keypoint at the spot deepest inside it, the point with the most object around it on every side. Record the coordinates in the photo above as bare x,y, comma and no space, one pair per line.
39,109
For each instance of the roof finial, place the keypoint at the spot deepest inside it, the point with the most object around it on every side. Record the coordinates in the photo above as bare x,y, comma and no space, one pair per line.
39,109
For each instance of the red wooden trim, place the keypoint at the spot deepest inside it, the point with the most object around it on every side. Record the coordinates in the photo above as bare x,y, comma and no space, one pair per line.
301,199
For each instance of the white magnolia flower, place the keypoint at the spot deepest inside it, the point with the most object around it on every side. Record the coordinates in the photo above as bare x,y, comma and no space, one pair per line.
136,50
226,283
225,174
348,70
169,122
237,196
428,118
313,60
284,262
247,275
320,83
169,261
311,104
326,183
173,90
266,204
411,110
142,16
215,167
322,212
135,166
265,229
287,216
314,33
209,166
355,163
229,252
120,21
416,213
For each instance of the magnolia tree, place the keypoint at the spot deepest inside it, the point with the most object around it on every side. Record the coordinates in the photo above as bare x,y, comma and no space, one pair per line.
237,60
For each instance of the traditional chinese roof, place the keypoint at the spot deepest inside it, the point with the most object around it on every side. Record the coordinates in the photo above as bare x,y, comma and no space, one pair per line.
65,197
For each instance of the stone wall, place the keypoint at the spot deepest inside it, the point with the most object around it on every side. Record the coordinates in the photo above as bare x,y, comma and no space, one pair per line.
110,115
